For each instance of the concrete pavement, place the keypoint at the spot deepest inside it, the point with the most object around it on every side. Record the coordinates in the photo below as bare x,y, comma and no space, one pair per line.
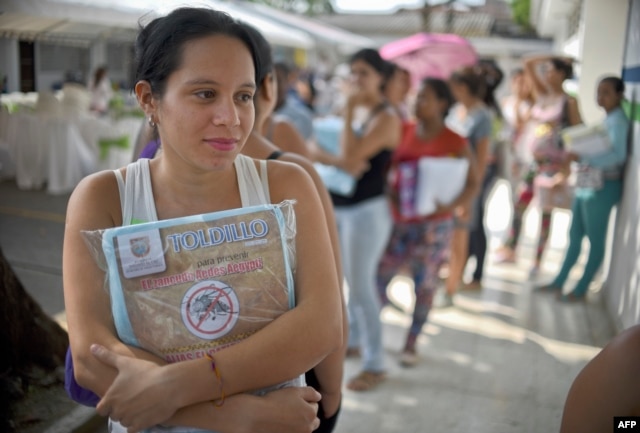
500,360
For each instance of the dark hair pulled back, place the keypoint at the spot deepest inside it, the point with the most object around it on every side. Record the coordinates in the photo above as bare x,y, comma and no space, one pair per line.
442,91
159,44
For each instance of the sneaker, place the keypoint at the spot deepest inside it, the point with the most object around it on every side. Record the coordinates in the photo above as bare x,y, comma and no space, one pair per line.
408,358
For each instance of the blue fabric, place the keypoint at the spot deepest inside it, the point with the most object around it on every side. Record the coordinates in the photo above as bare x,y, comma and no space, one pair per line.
364,231
299,114
149,151
617,126
74,391
475,126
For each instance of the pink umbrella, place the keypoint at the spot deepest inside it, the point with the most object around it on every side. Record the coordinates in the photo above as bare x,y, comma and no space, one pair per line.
434,55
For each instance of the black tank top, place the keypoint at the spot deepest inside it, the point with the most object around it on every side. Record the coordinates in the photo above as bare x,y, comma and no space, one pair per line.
373,182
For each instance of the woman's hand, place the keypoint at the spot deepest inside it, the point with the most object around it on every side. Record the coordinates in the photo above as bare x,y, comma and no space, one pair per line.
331,403
141,395
286,410
443,209
571,157
355,167
558,180
462,212
353,99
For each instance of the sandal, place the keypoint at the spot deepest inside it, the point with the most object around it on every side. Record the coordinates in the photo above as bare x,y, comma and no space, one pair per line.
571,297
548,288
472,286
366,381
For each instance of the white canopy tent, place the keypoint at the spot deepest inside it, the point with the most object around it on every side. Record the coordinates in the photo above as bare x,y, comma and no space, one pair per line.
342,41
84,21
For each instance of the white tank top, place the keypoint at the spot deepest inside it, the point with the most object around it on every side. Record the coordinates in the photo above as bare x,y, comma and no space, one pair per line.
136,200
136,194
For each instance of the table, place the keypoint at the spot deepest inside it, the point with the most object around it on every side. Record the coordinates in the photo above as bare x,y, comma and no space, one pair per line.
57,151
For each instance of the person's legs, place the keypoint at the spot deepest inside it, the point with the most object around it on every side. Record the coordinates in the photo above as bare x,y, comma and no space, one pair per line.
371,227
576,234
430,253
346,220
478,236
520,207
393,258
543,237
597,209
608,386
458,258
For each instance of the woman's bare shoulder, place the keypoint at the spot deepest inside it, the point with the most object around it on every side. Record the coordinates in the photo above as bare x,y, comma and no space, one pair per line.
289,177
96,194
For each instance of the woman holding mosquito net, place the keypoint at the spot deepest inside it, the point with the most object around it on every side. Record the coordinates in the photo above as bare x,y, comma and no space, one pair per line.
196,79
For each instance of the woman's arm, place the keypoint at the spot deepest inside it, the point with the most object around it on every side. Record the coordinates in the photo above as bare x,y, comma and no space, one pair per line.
472,185
287,138
330,371
353,166
608,386
573,109
87,302
313,327
239,413
482,156
383,132
531,64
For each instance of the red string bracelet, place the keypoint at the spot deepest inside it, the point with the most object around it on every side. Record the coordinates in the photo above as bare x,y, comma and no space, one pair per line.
214,367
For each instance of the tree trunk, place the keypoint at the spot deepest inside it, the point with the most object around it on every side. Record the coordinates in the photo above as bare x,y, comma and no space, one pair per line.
33,337
425,15
33,345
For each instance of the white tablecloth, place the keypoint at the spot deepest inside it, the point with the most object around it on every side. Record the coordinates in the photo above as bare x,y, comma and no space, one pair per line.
59,151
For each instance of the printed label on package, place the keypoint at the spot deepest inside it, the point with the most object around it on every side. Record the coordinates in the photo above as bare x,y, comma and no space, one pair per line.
189,286
141,253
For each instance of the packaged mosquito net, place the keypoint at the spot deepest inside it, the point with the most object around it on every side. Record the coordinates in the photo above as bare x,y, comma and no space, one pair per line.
184,287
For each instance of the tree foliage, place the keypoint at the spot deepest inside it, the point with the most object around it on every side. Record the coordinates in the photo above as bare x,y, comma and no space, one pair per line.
522,12
307,7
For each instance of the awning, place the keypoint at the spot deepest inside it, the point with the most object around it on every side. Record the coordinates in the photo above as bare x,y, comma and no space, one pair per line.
345,42
82,21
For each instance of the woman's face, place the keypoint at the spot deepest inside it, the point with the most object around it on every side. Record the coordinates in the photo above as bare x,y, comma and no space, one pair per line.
607,97
207,112
397,87
459,90
428,106
552,75
364,78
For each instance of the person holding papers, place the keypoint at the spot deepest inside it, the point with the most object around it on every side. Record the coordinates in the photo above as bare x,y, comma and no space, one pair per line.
421,240
598,189
196,79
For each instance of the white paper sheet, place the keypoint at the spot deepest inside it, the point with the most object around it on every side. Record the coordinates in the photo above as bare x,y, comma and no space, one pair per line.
440,180
586,140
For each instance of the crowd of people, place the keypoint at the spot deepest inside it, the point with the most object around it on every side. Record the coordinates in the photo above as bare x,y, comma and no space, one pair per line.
213,119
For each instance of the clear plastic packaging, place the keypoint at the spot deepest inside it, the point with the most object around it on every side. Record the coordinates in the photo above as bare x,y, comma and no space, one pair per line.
184,287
